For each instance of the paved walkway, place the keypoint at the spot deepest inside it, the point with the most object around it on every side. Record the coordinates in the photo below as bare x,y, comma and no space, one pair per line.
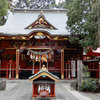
22,90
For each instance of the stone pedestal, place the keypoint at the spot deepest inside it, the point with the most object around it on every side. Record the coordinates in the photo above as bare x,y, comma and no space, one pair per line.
2,85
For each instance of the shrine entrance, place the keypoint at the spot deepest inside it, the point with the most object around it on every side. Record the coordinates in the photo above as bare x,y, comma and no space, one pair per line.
36,58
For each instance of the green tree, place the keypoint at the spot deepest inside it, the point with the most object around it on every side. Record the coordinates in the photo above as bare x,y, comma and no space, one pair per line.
64,4
35,4
10,5
3,10
83,22
67,3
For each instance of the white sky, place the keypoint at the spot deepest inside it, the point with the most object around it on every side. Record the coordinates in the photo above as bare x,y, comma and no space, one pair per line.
57,1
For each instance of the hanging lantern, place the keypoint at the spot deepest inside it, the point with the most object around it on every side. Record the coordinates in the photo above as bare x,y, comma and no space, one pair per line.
40,58
43,58
46,56
49,56
36,58
31,56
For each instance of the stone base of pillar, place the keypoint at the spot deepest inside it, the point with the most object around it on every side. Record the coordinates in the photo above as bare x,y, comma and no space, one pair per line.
62,76
17,76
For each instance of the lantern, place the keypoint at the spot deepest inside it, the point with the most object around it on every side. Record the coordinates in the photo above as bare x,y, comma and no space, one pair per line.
40,58
49,56
36,58
31,56
46,56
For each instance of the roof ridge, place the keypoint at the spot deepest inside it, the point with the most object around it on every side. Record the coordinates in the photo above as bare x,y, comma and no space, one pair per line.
53,10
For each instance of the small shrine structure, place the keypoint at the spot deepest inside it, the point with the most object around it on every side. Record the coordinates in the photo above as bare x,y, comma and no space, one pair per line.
93,62
43,83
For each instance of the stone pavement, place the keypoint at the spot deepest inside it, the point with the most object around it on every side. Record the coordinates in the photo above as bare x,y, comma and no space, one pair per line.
22,90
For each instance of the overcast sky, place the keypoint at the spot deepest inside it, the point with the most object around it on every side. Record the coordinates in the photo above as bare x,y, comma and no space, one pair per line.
57,1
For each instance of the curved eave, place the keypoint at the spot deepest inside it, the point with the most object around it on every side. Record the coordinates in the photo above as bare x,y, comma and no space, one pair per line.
41,73
35,30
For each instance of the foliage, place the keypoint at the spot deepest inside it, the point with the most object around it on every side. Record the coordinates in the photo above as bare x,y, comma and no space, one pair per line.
88,85
86,73
3,10
83,22
11,5
64,4
85,68
35,4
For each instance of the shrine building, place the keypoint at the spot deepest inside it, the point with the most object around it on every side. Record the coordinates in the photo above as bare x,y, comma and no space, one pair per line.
32,38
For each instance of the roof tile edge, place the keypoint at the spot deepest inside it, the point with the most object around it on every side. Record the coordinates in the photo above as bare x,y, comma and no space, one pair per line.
40,10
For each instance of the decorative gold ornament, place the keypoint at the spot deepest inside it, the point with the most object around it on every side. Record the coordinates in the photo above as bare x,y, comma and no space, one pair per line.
51,27
2,37
31,36
23,37
48,36
56,38
30,27
65,38
13,37
39,33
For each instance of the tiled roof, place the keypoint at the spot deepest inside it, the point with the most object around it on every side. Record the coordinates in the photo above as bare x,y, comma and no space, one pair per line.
41,71
21,18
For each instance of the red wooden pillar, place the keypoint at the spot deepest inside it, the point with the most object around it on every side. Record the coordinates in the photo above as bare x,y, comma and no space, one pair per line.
54,89
7,71
33,90
17,63
62,63
12,70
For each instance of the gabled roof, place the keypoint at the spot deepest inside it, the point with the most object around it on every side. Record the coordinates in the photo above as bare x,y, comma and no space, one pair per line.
41,22
21,18
43,72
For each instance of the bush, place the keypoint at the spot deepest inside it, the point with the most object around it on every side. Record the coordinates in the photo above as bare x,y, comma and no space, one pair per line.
88,85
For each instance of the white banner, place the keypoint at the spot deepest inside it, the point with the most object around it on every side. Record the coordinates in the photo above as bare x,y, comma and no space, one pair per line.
73,68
